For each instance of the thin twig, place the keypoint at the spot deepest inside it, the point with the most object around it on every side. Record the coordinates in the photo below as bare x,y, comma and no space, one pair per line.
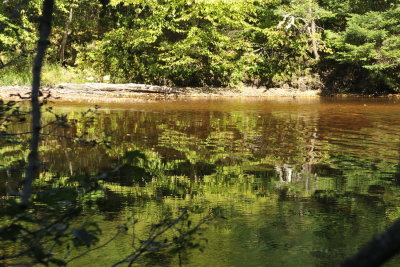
99,247
15,60
143,248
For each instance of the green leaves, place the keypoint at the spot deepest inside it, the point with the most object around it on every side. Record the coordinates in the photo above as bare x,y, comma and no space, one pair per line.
11,232
371,41
87,235
207,42
175,43
17,31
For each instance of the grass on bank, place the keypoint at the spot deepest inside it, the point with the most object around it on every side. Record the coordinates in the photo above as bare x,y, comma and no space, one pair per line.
53,74
21,75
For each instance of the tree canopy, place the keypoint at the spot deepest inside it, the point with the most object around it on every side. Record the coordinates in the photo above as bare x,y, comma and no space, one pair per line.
351,45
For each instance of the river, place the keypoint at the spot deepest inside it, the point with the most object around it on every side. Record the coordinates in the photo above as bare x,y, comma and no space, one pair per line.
300,182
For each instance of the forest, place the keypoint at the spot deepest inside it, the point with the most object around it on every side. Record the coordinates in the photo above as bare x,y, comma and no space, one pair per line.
346,46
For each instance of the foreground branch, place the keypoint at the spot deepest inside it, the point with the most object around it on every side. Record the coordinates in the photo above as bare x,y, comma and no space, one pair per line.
383,247
32,171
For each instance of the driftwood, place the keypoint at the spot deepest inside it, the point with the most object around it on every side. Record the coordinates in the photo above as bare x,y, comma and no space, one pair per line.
128,87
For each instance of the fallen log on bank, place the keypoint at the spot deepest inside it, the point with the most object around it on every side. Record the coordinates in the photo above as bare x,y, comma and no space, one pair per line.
106,87
126,93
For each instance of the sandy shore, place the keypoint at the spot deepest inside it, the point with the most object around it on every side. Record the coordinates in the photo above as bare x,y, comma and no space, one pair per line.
100,92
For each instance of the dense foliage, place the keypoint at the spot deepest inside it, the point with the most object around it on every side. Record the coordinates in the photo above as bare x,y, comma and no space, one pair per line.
372,42
349,44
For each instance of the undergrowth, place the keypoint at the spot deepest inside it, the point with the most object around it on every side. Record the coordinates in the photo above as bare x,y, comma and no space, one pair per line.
20,75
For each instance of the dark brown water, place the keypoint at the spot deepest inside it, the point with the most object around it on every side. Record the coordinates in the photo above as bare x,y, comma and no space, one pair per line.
302,182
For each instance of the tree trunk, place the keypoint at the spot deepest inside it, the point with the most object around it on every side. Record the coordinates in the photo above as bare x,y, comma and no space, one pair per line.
313,32
61,52
32,171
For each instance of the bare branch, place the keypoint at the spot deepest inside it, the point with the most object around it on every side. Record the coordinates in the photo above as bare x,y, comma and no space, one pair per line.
143,248
120,230
16,60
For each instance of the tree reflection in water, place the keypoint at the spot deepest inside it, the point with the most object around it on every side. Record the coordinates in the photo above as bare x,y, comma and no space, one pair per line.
305,182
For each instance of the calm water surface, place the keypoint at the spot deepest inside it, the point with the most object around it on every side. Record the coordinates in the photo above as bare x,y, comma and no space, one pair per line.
302,182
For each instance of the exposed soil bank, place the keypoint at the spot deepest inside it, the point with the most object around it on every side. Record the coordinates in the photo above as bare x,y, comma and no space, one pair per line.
102,92
128,93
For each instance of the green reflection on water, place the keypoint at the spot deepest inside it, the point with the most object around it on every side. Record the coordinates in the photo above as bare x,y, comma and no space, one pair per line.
301,183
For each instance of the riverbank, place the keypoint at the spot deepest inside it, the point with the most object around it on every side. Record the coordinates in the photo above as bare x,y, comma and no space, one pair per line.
103,92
